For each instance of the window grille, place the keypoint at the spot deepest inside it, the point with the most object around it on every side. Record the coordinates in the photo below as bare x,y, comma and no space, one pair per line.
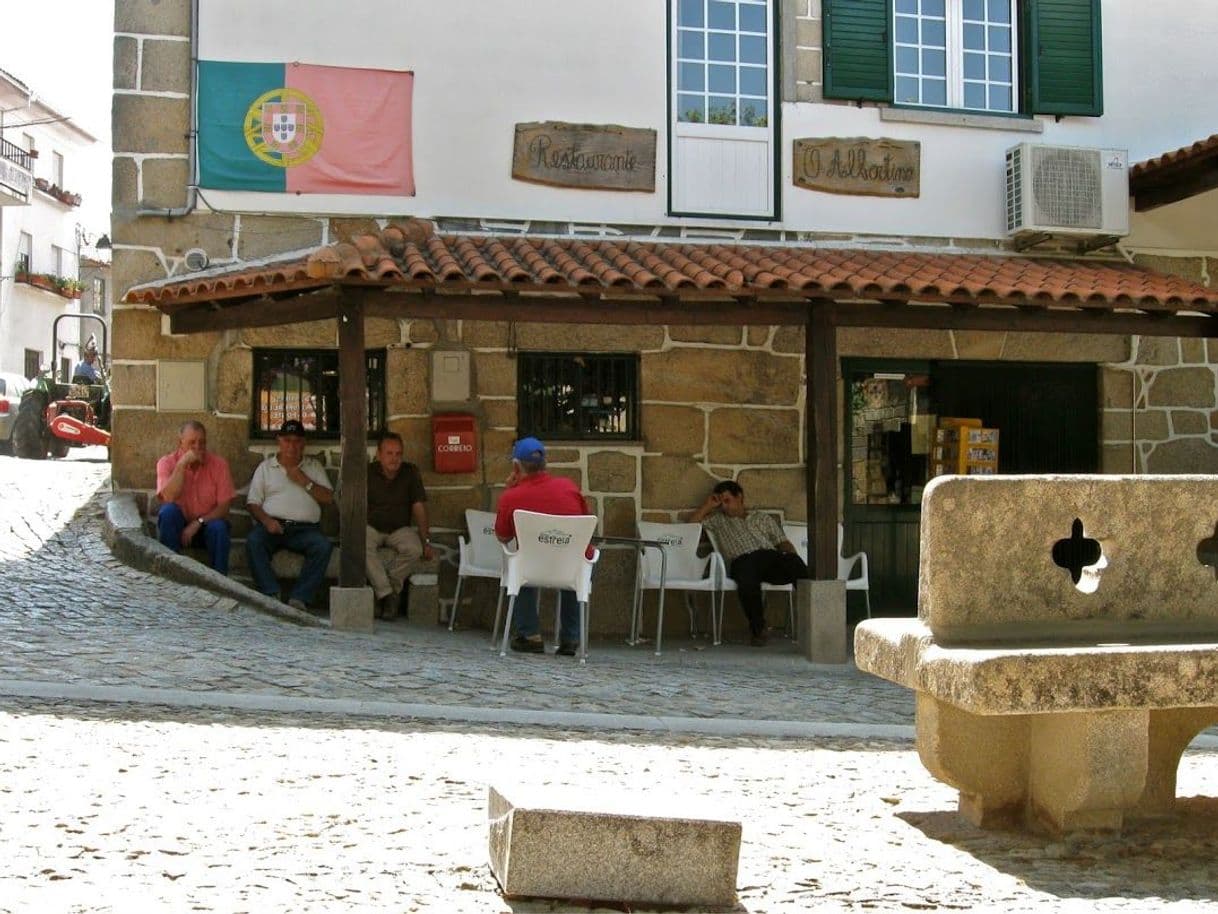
302,384
578,396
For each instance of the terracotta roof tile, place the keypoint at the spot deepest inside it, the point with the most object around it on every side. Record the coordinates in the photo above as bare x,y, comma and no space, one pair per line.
1182,156
409,254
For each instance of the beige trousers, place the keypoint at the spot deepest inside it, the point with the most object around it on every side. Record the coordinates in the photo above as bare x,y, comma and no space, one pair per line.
390,577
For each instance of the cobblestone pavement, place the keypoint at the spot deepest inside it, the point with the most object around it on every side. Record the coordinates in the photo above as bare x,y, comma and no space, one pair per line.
143,804
153,809
72,613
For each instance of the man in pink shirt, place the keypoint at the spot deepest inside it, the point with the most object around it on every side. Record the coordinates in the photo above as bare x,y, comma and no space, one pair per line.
530,487
195,489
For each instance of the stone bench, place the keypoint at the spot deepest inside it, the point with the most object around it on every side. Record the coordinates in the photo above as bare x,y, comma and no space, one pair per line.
1066,647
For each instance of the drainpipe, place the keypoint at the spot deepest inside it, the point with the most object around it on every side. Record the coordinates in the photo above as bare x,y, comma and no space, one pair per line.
192,190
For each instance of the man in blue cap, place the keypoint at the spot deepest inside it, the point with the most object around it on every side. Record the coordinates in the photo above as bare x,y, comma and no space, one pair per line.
530,487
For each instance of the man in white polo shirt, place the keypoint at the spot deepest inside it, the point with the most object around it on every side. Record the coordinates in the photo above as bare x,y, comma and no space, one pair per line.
285,498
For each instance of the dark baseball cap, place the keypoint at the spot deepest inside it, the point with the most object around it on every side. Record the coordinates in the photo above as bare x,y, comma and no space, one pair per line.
292,427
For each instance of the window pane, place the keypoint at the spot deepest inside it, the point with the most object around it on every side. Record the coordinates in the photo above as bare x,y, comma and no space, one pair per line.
1000,10
1000,68
722,47
907,6
691,45
752,81
752,18
752,49
974,37
691,13
934,63
1000,38
577,395
907,30
722,110
974,9
907,60
934,92
752,112
691,77
1000,98
974,66
934,33
932,8
691,109
974,95
907,89
722,15
722,79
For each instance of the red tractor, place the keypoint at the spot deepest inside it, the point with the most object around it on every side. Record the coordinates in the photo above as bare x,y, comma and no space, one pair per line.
72,412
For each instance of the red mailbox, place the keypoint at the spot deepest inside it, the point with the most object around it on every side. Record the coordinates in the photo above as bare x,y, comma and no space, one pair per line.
454,445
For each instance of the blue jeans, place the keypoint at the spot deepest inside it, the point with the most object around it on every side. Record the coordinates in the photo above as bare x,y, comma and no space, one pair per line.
527,624
306,539
213,535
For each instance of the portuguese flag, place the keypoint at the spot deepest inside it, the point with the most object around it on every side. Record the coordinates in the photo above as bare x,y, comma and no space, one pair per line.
299,128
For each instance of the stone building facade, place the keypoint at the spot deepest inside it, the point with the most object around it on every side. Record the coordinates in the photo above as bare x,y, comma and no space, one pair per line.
717,401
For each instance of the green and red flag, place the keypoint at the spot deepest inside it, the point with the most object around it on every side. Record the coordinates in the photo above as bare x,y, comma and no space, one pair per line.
300,128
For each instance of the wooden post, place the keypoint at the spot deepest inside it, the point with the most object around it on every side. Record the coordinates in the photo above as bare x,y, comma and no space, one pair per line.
353,418
820,403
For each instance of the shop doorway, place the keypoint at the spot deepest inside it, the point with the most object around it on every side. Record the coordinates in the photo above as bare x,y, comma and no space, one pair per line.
1044,418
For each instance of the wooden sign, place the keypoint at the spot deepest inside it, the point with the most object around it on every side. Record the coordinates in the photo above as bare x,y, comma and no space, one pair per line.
587,156
858,165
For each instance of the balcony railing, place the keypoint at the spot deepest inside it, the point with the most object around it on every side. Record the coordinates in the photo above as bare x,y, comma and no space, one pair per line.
16,154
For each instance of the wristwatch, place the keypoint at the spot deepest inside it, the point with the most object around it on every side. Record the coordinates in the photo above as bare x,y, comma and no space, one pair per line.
309,486
201,521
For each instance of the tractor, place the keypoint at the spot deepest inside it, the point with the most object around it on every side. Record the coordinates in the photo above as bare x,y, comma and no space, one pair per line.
58,414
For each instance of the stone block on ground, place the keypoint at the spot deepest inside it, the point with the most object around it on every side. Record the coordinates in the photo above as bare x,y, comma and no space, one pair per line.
547,843
351,609
820,608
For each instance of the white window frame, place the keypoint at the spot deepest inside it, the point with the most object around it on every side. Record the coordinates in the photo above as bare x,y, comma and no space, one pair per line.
57,169
750,134
25,250
954,52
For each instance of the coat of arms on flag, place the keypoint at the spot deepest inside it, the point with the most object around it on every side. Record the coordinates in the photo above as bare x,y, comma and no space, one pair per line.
305,128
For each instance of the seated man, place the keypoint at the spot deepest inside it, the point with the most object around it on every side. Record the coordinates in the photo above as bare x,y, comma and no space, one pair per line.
754,549
395,497
195,489
86,370
285,498
530,487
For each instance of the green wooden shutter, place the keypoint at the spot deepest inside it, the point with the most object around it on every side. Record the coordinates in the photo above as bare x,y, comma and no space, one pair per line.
1063,55
858,49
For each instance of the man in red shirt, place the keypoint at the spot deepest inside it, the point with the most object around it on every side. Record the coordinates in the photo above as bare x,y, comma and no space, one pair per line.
196,489
530,487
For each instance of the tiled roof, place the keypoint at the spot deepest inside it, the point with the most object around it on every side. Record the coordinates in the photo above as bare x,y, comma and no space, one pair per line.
410,256
1184,156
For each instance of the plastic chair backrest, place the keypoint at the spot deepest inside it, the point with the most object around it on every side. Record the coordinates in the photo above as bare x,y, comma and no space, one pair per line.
550,552
797,535
482,539
681,547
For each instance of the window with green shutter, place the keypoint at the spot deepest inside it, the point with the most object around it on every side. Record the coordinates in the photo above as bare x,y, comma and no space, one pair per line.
993,56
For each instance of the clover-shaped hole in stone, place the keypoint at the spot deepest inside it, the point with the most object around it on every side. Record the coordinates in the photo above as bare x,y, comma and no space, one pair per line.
1207,552
1082,557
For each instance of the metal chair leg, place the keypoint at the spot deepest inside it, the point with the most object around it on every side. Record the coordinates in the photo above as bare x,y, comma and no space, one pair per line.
507,625
583,632
452,613
498,615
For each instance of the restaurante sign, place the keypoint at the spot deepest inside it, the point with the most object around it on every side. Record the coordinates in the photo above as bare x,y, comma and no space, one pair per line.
858,165
588,156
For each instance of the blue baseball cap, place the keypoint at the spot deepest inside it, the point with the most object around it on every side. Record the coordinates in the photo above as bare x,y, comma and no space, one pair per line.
528,449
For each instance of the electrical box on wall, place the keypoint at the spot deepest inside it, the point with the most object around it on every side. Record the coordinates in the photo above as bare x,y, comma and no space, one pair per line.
449,375
454,443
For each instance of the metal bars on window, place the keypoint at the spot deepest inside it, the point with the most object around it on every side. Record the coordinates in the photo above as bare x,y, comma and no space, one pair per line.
578,396
302,384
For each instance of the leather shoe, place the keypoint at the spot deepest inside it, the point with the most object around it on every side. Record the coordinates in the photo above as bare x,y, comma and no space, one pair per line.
528,645
760,640
387,606
568,649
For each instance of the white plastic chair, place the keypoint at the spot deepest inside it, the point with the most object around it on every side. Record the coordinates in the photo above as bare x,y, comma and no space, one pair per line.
479,557
846,563
550,553
727,584
684,570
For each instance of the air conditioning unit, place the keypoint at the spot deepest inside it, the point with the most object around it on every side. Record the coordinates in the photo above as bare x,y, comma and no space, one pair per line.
1067,190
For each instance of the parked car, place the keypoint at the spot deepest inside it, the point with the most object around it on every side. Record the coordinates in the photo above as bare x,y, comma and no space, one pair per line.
12,386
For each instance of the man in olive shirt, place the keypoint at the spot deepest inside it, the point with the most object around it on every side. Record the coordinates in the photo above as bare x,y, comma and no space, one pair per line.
395,498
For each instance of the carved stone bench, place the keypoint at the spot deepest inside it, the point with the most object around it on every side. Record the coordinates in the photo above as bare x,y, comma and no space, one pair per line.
1066,647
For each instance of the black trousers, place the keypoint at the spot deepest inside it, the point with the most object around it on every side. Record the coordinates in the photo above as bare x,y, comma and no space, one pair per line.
772,566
